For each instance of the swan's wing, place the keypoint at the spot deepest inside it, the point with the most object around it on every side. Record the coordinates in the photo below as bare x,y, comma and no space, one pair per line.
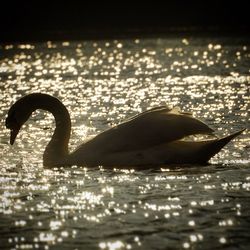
150,128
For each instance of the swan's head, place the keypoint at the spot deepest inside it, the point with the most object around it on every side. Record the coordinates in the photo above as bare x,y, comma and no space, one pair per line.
18,114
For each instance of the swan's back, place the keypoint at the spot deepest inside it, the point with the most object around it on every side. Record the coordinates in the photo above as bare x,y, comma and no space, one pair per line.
146,130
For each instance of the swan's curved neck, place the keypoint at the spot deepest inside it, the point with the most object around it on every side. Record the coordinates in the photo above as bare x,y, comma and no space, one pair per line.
57,150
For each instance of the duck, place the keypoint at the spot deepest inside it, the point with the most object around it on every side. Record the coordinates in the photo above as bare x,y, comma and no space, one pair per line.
152,138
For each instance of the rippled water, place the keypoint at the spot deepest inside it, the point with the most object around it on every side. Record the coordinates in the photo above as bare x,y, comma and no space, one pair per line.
101,83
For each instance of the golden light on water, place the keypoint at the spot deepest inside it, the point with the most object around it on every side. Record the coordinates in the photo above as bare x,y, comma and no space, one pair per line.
102,83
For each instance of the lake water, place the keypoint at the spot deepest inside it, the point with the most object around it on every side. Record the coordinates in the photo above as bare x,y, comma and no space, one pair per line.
102,83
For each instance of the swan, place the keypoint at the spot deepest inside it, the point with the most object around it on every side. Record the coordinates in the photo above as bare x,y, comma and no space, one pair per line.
153,137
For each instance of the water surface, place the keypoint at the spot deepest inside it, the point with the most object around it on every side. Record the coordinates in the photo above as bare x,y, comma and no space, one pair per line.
102,83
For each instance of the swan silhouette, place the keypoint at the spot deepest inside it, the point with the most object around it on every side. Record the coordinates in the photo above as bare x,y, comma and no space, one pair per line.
153,137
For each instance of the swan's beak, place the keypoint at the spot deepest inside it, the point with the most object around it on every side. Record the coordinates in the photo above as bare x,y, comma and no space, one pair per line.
14,127
13,134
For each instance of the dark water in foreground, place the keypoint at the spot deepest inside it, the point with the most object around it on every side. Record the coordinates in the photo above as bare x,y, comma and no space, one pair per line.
101,83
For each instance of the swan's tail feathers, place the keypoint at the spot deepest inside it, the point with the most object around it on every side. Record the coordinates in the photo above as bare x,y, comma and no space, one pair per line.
213,147
228,138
